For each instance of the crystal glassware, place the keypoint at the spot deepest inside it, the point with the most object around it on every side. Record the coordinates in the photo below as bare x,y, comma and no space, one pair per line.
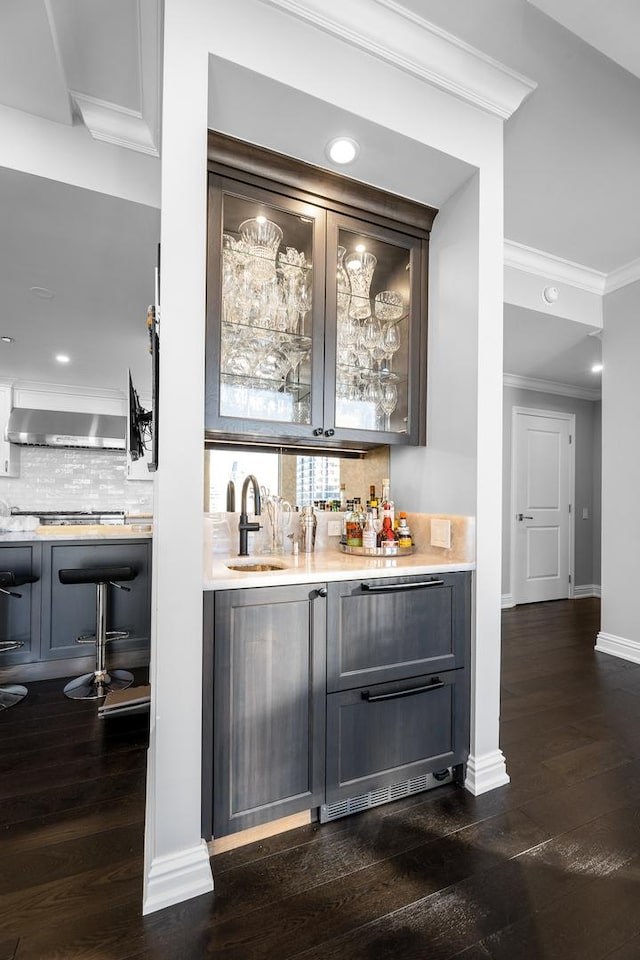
388,400
360,267
388,305
262,238
344,285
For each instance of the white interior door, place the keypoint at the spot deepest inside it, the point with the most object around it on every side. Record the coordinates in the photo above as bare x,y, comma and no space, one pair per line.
542,491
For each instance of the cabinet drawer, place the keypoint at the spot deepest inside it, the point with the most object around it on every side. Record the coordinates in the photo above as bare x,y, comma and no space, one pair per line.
388,629
20,615
388,733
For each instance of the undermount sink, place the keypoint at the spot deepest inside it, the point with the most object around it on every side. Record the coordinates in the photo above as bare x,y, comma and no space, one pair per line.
254,567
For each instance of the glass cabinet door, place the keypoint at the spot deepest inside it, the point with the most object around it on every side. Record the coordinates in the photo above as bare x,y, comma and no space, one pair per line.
376,344
266,289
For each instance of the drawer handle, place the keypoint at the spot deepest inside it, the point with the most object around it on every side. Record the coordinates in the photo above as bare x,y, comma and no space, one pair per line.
411,692
378,588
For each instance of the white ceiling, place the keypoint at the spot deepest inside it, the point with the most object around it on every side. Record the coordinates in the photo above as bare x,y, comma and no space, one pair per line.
97,255
241,104
612,27
561,351
572,152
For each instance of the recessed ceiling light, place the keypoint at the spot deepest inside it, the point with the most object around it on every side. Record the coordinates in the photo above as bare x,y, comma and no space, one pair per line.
550,294
342,149
597,368
42,292
62,358
261,218
7,339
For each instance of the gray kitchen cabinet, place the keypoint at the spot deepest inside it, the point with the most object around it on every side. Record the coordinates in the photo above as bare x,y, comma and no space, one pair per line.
396,627
268,709
388,719
393,732
20,616
311,702
70,610
316,305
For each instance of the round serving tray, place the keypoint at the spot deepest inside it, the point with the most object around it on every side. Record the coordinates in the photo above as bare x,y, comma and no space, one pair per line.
391,550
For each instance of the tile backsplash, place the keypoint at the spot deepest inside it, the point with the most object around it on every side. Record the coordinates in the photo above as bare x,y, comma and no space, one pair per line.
65,479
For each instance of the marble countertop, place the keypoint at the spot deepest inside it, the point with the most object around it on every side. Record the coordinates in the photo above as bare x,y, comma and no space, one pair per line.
324,565
328,562
106,531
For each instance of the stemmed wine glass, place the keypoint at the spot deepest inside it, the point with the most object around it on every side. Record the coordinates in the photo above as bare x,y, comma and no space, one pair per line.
388,401
390,339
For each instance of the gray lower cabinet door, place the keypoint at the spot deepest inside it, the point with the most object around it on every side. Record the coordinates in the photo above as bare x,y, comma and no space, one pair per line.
20,616
268,710
396,627
69,610
389,733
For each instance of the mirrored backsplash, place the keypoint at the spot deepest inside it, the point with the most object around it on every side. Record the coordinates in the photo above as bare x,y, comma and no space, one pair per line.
298,479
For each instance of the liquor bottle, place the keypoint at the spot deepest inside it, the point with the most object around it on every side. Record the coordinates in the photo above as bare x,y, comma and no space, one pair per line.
388,507
343,496
353,527
404,533
386,535
369,539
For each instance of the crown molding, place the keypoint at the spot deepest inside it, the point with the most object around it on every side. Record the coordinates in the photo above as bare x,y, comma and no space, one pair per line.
550,386
550,267
115,124
417,47
621,277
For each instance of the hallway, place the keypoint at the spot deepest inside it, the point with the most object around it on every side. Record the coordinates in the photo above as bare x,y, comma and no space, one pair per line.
546,867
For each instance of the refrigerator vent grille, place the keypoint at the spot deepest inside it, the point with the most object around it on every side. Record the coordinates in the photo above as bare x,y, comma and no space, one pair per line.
343,808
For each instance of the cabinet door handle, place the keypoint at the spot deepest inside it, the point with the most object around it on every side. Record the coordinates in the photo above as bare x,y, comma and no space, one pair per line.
378,588
318,432
411,692
329,432
321,592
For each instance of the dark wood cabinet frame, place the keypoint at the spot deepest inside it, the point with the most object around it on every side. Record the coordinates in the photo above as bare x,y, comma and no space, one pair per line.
232,161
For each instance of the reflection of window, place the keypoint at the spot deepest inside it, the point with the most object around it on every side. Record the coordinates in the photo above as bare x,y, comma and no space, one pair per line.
317,478
225,465
298,479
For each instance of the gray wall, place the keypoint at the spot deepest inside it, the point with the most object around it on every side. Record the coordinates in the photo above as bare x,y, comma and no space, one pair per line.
587,477
441,477
621,464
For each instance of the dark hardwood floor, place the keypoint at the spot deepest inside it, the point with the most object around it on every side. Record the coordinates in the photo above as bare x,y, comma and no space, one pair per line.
546,867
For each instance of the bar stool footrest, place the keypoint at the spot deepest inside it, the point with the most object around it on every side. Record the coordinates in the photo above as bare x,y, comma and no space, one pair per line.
92,686
8,646
111,635
11,694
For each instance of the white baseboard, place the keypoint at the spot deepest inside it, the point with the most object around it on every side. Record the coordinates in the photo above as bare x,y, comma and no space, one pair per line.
486,773
587,590
176,877
618,647
507,601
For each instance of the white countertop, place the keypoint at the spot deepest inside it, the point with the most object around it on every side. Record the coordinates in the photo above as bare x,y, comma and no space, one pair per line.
96,531
325,565
328,562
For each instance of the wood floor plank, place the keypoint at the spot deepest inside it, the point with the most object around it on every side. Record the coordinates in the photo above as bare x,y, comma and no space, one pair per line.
540,869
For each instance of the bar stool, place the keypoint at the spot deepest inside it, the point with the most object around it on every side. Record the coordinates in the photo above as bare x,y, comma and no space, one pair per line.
93,686
12,693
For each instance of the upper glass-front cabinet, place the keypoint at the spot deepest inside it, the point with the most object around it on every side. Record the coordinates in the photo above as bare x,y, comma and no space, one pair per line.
316,317
376,331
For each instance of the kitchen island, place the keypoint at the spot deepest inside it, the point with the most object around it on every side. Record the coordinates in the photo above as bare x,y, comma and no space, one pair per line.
332,683
49,616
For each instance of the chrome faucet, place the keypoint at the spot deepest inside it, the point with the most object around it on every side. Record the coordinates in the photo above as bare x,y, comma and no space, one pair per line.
244,527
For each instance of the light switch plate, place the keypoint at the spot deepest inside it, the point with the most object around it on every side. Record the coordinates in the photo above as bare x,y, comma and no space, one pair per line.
441,533
334,528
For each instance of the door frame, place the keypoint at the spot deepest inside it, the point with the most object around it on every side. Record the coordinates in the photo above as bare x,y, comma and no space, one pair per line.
554,415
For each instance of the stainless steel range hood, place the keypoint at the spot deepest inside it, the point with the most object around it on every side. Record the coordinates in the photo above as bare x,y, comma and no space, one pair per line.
62,428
